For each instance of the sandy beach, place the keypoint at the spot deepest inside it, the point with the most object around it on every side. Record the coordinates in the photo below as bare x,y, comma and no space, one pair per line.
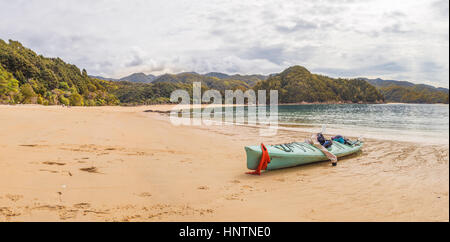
124,164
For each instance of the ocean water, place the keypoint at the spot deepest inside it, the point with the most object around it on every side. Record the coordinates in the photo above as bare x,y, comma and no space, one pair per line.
428,123
408,122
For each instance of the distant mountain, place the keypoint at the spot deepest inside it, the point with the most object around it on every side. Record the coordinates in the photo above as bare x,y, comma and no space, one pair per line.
103,78
139,77
160,89
442,89
407,92
384,83
208,81
136,77
250,80
218,75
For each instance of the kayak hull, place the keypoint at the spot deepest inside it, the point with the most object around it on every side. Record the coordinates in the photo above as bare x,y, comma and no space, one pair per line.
295,154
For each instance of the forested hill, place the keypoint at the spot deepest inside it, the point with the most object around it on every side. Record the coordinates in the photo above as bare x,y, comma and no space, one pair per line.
296,84
407,92
208,81
139,77
29,78
26,77
250,80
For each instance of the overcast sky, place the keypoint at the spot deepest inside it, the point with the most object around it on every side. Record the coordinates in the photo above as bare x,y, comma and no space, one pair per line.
402,40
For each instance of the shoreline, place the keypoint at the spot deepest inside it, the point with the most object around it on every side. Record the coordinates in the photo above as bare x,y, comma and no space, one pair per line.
165,109
356,131
165,106
122,164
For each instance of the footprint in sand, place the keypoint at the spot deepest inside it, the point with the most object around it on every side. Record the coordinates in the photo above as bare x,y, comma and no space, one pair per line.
13,197
235,181
203,188
68,214
247,187
129,218
145,194
234,196
7,212
82,205
186,161
90,169
139,153
49,171
97,212
50,207
50,163
31,146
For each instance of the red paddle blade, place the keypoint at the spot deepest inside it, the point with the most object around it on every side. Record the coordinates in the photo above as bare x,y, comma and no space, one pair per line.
265,160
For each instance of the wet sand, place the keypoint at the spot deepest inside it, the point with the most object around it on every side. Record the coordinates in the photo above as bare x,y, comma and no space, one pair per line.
123,164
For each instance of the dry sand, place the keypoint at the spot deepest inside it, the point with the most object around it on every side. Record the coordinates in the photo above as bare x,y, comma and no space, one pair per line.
121,164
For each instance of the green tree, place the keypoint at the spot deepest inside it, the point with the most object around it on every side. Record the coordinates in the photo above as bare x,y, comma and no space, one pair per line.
46,75
9,86
64,100
28,94
76,100
64,86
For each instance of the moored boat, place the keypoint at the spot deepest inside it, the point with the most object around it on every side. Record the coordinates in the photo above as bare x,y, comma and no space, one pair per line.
295,154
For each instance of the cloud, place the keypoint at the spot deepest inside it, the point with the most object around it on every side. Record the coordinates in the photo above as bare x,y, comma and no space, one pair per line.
274,54
441,7
114,38
395,28
381,69
300,25
137,58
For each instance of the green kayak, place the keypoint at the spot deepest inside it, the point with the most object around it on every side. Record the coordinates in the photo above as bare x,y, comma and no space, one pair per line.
294,154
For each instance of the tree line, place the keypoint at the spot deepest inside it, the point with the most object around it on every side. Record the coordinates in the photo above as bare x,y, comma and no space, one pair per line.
28,78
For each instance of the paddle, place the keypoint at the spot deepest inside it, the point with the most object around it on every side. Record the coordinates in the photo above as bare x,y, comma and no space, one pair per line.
313,141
